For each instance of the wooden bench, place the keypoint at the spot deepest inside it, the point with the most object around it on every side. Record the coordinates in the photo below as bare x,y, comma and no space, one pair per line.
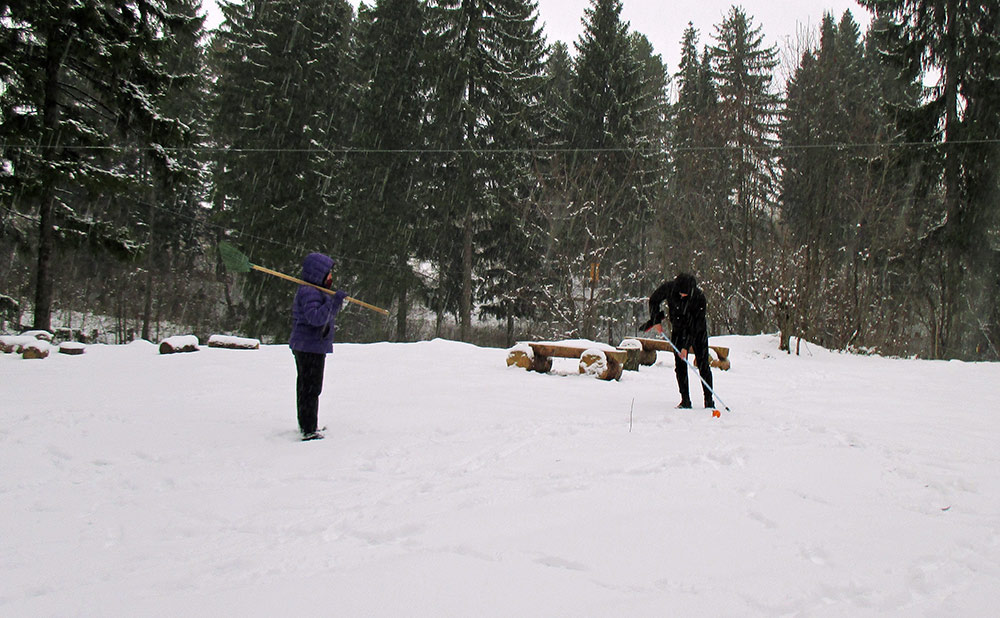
651,346
603,362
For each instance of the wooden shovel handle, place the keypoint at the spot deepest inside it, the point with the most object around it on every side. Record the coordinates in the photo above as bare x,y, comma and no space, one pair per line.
318,287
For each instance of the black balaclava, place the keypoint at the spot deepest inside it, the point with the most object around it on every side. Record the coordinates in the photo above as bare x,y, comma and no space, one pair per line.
685,283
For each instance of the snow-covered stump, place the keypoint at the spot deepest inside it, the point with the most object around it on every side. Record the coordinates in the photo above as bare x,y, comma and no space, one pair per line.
72,348
233,343
37,348
180,343
633,351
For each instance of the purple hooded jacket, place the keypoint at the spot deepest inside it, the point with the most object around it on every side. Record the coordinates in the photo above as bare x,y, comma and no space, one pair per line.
313,312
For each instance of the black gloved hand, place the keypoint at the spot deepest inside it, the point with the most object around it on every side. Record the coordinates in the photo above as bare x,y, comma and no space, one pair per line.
647,325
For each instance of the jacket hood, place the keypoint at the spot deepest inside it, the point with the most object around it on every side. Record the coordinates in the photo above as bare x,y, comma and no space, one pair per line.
685,283
315,268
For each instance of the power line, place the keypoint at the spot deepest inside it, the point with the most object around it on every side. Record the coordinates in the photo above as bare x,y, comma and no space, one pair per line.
544,149
242,235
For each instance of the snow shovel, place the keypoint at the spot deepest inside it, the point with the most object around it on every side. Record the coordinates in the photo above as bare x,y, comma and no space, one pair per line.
237,262
659,331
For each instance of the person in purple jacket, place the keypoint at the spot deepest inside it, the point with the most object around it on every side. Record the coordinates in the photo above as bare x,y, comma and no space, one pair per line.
313,314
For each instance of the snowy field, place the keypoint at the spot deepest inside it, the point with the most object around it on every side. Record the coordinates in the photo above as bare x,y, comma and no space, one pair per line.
135,484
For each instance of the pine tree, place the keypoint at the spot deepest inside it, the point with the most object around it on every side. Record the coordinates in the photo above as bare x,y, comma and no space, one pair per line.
748,112
80,97
486,57
515,127
698,177
388,174
960,41
614,130
280,97
177,180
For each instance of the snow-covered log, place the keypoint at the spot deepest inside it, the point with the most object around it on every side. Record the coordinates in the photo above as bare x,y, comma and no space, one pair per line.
520,356
37,348
13,344
233,343
544,352
43,335
180,343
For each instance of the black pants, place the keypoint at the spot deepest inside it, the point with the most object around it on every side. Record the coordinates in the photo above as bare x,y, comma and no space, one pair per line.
308,386
704,368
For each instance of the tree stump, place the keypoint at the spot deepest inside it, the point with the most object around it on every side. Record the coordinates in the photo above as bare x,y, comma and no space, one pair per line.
647,358
72,348
633,351
541,364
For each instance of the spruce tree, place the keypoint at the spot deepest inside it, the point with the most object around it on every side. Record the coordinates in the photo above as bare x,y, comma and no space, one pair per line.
960,42
177,181
698,178
278,109
514,128
388,176
748,114
486,58
614,133
83,119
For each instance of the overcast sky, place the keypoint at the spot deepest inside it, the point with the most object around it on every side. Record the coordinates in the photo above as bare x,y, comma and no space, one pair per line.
663,21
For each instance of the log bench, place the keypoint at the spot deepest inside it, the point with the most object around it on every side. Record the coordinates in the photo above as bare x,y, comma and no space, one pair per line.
651,346
603,362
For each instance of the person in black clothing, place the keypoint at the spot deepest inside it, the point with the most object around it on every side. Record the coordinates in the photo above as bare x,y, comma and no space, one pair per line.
688,330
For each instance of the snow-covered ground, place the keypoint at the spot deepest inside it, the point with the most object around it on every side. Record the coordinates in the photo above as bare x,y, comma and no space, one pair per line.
135,484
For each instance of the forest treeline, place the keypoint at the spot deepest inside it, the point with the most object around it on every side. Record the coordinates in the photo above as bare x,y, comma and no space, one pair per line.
486,184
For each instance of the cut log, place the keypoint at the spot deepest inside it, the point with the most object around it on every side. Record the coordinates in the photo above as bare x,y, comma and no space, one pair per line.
594,362
233,343
39,349
544,352
181,343
722,354
722,360
570,351
519,357
43,335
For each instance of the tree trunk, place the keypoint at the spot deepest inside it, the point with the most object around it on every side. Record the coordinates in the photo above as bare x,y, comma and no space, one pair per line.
402,310
953,272
43,275
466,301
55,51
147,304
